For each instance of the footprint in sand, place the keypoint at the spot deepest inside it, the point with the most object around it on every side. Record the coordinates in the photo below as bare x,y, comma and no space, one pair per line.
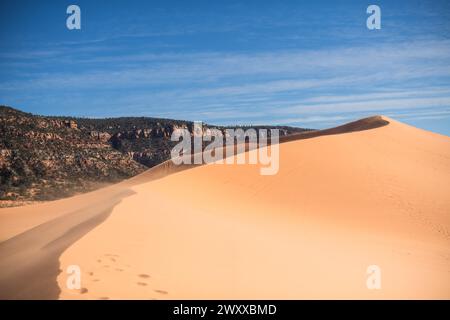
161,291
83,290
141,284
118,269
95,280
143,275
91,273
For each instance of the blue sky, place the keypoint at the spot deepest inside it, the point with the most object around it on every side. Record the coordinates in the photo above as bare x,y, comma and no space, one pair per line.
305,63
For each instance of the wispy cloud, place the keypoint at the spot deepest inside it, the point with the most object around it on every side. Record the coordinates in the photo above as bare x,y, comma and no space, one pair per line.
304,87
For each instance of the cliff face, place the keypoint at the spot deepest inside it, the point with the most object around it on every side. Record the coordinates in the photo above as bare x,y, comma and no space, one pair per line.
46,158
145,140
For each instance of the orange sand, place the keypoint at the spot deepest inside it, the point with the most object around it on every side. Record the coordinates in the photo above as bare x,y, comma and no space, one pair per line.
338,204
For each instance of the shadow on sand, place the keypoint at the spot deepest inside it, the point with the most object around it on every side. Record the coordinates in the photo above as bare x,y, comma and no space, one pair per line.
29,262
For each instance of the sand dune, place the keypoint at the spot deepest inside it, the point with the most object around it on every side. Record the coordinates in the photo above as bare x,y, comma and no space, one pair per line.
373,192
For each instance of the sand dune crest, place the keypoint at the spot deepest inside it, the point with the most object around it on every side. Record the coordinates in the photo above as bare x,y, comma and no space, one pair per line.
372,192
